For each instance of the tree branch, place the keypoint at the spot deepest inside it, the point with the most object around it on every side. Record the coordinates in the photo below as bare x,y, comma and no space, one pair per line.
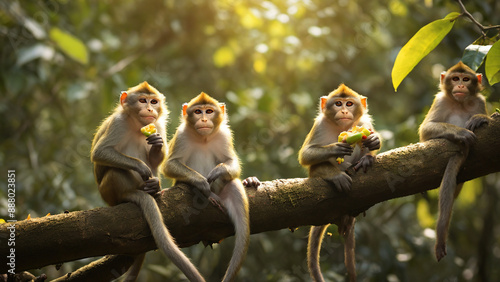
469,15
277,204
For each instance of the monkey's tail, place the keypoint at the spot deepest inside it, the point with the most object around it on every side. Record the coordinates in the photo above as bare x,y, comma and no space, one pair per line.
313,249
162,236
236,204
448,191
349,246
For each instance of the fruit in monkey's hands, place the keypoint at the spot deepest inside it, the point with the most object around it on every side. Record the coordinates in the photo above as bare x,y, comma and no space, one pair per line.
148,129
355,135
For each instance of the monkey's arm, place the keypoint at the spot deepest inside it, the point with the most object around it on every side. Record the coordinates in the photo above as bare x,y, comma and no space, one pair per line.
109,156
175,169
181,173
227,170
477,121
459,135
315,154
157,151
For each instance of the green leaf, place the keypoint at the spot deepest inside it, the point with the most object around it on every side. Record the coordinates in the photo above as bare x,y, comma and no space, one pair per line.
474,55
492,64
70,45
421,44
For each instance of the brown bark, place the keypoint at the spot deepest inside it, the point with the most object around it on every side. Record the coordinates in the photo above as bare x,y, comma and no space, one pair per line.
276,204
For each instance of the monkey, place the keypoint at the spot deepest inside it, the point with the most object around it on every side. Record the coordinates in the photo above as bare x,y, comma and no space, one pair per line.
457,110
126,166
202,155
342,109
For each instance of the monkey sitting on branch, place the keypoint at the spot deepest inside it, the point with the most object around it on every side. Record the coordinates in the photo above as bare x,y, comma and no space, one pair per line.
457,110
126,166
202,155
340,111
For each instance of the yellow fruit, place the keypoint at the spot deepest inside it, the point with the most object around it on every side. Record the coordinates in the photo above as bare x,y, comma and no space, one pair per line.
148,129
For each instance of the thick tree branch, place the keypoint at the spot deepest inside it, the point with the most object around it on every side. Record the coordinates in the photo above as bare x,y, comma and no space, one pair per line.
275,205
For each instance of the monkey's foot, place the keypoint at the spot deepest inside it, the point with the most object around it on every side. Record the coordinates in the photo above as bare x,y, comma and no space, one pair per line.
440,250
251,182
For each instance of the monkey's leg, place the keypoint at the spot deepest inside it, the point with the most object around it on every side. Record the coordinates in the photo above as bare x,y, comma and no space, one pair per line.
446,198
235,201
313,249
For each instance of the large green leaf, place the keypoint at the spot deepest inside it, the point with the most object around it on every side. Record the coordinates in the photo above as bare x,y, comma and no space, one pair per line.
492,64
474,55
421,44
70,45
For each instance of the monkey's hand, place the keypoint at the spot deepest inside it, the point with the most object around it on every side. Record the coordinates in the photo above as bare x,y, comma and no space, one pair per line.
341,149
462,137
219,171
372,142
155,140
251,182
152,186
342,182
365,162
143,170
476,121
155,154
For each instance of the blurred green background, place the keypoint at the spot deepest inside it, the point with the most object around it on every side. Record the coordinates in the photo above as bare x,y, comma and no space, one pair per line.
63,65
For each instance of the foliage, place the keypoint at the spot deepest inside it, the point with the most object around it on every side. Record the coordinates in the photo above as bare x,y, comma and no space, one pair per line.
420,45
429,36
270,62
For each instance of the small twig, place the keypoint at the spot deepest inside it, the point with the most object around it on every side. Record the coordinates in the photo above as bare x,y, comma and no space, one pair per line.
469,15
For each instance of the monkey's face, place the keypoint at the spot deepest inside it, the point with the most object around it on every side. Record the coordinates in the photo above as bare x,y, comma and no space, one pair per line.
204,118
343,111
461,85
149,107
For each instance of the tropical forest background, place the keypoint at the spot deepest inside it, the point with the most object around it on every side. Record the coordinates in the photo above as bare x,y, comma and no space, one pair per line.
63,64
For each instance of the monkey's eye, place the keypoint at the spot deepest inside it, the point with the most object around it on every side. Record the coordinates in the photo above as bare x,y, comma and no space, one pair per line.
338,103
154,101
349,104
455,78
466,79
197,111
143,100
209,111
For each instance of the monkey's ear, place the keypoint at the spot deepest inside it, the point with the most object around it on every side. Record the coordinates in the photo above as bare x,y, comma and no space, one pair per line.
222,108
123,96
479,78
184,109
443,75
363,101
323,100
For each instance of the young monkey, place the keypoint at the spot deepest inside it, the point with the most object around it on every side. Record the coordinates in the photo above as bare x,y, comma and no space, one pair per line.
202,155
457,110
339,111
126,166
